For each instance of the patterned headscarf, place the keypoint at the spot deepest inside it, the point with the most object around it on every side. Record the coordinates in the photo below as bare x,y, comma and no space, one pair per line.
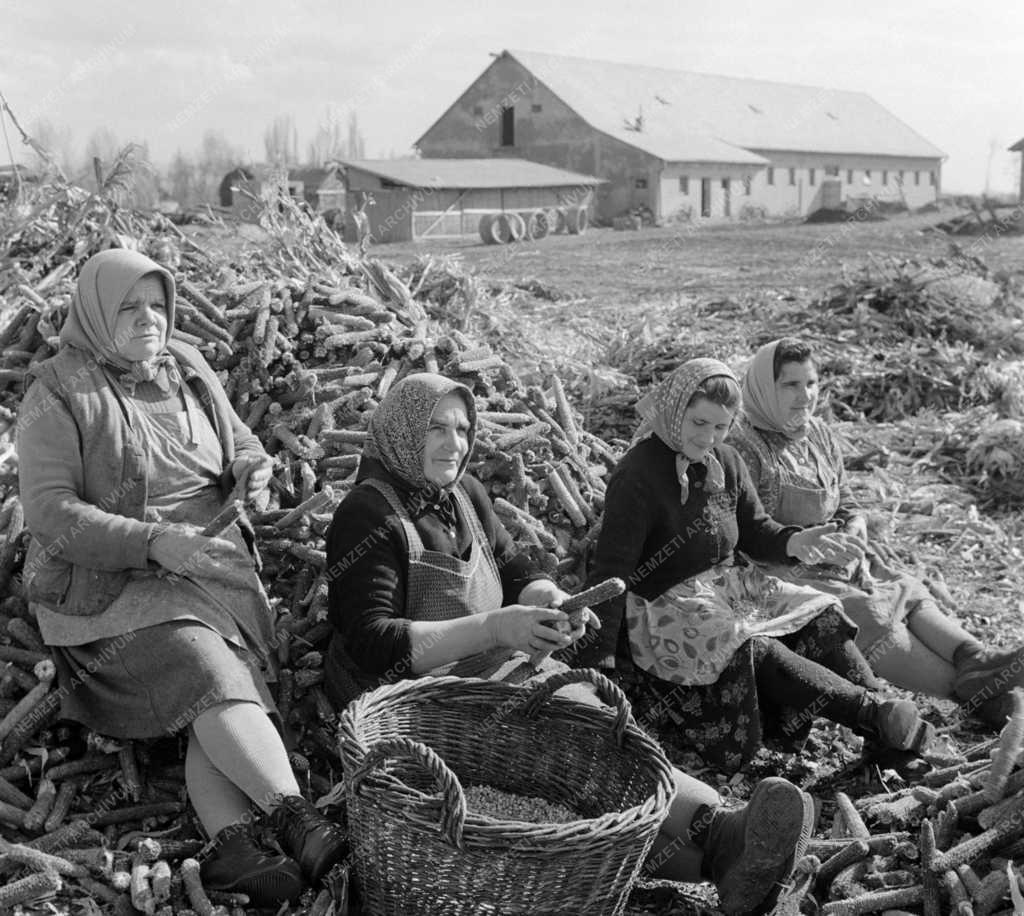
761,397
398,428
662,411
103,282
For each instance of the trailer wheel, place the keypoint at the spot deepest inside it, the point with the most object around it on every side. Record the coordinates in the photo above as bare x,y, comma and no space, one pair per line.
576,220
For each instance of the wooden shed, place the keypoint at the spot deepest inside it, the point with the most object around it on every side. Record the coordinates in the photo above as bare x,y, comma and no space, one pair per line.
411,199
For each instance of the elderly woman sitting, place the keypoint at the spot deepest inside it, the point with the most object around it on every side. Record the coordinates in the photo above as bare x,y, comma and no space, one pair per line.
796,464
425,579
724,650
128,447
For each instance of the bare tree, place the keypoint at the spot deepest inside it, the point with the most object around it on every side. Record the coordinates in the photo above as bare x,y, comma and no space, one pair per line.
183,179
356,142
57,141
281,141
327,143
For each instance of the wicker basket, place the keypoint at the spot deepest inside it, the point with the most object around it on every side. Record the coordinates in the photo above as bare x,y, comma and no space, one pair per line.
417,851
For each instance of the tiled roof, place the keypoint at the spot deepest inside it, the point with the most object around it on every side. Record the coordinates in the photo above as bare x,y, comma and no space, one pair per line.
470,173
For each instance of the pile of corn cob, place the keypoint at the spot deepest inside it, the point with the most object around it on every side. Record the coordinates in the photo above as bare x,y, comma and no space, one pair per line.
306,340
945,846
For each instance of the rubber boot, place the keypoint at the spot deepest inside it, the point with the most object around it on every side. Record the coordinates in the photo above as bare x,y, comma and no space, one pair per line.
313,840
749,852
986,674
238,864
895,724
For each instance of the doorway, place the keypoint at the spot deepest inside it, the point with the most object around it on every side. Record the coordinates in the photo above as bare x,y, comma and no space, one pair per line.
705,197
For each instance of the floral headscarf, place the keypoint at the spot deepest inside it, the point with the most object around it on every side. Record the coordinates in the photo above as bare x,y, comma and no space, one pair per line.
761,397
662,409
103,282
398,428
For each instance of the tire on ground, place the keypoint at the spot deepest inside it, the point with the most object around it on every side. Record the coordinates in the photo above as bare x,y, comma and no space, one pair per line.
513,226
559,220
487,228
576,220
537,225
499,229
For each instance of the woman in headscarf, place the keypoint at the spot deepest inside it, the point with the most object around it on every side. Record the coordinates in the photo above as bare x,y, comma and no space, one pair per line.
423,578
128,447
711,642
796,464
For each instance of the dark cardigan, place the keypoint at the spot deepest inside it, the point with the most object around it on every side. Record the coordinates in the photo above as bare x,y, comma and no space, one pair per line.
367,564
653,542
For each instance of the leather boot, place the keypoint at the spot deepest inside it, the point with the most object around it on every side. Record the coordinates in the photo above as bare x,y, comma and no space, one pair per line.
750,851
313,840
895,724
986,674
238,864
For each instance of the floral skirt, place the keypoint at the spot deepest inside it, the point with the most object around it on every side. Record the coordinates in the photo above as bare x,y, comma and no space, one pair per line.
726,722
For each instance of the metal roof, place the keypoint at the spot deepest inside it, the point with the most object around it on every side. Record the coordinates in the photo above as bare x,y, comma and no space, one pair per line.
470,173
685,116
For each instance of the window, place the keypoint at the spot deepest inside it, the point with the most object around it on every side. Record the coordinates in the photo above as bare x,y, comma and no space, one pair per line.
536,108
899,180
849,176
917,177
640,183
478,110
684,184
771,175
867,175
508,126
746,186
931,178
885,177
792,176
810,177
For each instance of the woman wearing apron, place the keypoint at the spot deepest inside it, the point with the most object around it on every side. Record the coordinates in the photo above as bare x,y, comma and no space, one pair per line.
424,579
797,466
129,447
729,654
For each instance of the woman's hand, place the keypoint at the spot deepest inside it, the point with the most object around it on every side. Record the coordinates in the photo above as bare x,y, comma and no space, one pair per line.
826,544
253,474
529,629
544,593
183,549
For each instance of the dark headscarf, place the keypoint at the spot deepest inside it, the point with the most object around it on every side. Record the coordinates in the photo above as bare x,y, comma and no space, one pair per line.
398,430
103,282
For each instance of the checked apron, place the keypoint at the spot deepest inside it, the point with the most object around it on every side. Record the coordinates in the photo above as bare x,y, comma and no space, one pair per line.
444,587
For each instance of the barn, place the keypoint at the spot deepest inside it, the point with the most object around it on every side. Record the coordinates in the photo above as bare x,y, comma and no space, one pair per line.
411,199
320,187
688,145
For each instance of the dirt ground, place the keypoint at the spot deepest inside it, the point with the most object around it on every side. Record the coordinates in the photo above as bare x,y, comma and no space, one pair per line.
573,296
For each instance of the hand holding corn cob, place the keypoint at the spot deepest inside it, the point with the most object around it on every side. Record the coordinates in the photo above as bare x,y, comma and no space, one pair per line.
578,608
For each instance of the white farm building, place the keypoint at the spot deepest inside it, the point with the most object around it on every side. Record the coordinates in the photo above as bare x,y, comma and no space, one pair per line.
674,141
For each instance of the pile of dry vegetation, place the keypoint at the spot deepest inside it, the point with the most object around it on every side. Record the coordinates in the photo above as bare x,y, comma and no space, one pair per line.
307,337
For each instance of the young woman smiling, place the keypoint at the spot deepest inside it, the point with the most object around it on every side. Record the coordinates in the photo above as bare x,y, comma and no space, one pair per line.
704,637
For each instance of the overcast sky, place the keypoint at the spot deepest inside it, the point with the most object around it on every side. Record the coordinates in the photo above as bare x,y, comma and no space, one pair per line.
167,72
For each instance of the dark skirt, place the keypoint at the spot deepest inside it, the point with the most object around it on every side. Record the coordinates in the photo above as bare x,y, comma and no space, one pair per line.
154,681
728,721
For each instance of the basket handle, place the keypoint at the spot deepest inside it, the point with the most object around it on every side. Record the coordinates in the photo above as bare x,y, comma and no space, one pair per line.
453,807
607,691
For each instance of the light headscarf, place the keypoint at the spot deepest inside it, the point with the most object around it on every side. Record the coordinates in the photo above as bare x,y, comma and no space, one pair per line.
398,428
761,396
103,282
662,409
